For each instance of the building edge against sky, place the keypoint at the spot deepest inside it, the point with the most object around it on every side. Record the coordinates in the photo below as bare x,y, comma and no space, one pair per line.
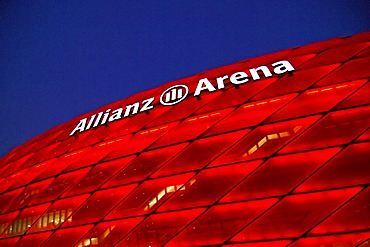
272,150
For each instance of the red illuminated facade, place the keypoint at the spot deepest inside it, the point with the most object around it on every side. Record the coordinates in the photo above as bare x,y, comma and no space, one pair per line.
283,160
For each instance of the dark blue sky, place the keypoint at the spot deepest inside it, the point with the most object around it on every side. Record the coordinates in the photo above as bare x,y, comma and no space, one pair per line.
60,59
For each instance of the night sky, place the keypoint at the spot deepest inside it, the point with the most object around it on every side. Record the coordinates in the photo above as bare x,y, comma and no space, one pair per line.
60,59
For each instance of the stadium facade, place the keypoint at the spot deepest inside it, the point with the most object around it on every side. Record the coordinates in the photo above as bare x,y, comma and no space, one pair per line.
269,151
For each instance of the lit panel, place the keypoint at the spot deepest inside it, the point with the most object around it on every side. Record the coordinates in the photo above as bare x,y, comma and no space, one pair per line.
17,165
136,123
139,141
7,198
300,80
199,153
58,186
365,136
144,165
279,175
24,221
5,221
264,141
277,161
360,97
336,128
59,212
148,196
89,156
183,110
28,176
319,46
351,70
219,223
279,243
29,193
159,228
9,242
97,176
352,239
33,239
317,100
235,96
191,128
67,237
250,114
208,186
336,55
355,215
294,215
109,233
56,166
98,205
348,168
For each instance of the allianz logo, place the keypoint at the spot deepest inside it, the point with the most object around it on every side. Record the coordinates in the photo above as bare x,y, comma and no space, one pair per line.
178,93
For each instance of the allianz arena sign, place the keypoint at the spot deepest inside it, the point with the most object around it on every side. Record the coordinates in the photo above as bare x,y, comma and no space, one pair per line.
178,93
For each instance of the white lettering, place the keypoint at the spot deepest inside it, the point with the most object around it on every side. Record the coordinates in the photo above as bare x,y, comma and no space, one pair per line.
220,81
282,67
147,104
239,78
207,86
116,115
90,122
254,72
80,126
105,117
135,107
98,119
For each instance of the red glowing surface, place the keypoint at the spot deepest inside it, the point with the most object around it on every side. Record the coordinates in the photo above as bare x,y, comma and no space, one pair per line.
280,161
